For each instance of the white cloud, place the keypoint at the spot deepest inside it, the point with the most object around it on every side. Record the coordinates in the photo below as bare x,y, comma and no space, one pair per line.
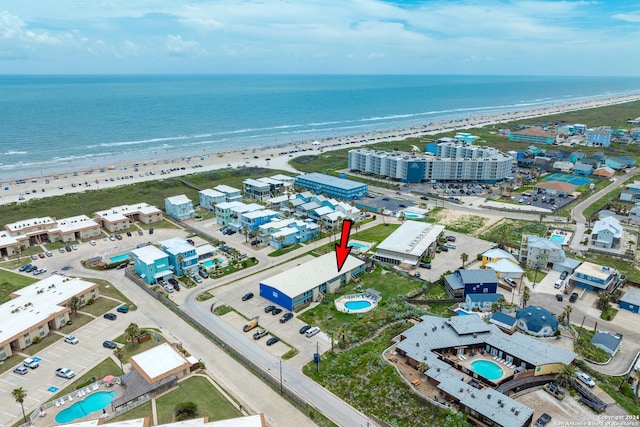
10,25
627,17
178,47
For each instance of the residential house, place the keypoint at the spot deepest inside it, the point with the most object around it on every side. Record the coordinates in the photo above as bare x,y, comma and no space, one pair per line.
231,194
604,172
606,233
210,198
594,277
503,321
481,302
296,232
281,203
614,163
583,169
239,210
598,137
465,137
538,252
629,196
536,320
179,207
562,166
477,281
635,133
151,264
256,190
630,300
607,341
576,156
634,188
120,218
250,221
182,255
283,178
228,212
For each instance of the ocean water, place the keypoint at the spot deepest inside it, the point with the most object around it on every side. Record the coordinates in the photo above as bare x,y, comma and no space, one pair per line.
56,123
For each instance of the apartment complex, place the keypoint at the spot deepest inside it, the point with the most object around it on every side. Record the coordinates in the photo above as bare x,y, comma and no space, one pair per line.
121,217
332,186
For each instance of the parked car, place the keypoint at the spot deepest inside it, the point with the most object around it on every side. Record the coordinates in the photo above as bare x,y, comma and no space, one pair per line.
49,253
140,232
68,248
563,275
112,238
61,250
269,308
20,370
176,286
247,296
30,363
196,278
122,309
304,329
559,284
92,243
585,378
168,288
173,282
259,334
450,245
110,316
272,341
510,281
543,420
426,265
203,273
573,297
118,236
559,297
109,344
276,311
128,234
451,238
71,339
34,257
151,231
74,247
65,373
286,317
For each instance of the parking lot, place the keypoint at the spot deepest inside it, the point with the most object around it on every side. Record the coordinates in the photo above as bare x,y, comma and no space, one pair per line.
541,199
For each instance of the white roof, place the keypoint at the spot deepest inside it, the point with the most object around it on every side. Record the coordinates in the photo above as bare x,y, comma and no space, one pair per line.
120,212
497,253
311,274
25,223
594,270
176,245
504,265
272,181
323,210
49,225
204,249
32,307
228,205
7,239
211,193
412,238
283,198
608,223
259,213
255,183
226,189
159,360
282,178
149,254
242,208
178,200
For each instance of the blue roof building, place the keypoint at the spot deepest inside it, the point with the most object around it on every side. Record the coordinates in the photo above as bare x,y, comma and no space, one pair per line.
536,320
481,302
503,321
607,342
631,300
340,188
463,282
151,264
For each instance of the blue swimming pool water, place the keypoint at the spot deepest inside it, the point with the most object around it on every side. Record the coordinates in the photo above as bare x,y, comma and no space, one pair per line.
357,305
556,238
209,262
487,369
119,258
93,402
358,245
410,215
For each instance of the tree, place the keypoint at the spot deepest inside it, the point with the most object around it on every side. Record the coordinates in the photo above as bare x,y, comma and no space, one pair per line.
245,231
603,301
185,411
566,374
382,215
526,296
422,367
118,352
567,312
459,419
635,397
464,257
180,260
74,304
402,216
20,394
498,305
132,331
281,241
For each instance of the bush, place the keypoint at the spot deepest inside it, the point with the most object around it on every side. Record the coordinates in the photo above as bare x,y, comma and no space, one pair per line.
36,340
185,410
91,301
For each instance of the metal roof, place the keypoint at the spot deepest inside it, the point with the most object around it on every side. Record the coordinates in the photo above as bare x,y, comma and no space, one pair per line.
632,296
412,238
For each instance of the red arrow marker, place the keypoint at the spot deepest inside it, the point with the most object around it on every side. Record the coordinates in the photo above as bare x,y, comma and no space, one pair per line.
342,250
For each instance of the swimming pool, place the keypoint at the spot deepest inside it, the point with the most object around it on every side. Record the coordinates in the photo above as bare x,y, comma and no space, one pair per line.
357,305
556,238
358,245
209,262
487,369
119,258
92,403
409,215
462,312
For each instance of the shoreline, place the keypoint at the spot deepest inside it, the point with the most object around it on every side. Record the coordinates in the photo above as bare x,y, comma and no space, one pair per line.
111,174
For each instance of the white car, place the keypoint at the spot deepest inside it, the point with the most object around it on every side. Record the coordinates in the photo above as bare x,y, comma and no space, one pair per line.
65,373
74,247
93,243
168,288
585,378
71,339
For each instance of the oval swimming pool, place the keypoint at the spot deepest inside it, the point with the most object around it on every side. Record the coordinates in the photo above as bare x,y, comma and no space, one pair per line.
357,305
487,369
93,402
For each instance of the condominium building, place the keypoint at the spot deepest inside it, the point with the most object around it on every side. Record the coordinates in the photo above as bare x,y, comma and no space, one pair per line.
121,217
332,186
535,135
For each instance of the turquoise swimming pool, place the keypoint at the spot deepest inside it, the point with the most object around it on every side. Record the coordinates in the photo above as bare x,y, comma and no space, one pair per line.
357,305
409,215
556,238
92,403
119,258
488,369
209,262
358,245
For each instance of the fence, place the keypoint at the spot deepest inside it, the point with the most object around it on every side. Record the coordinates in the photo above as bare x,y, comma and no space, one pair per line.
133,404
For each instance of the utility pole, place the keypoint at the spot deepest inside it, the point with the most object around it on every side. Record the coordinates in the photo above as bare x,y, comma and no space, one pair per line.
280,360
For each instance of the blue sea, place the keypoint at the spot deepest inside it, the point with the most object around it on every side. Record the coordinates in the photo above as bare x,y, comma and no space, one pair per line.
62,123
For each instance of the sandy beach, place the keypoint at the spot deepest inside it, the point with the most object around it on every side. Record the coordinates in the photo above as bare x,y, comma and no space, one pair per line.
122,173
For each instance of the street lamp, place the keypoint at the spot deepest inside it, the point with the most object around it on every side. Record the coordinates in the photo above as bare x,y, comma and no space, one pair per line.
535,276
280,360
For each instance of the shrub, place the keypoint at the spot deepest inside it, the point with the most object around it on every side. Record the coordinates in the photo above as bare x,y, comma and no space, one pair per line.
36,340
185,410
91,301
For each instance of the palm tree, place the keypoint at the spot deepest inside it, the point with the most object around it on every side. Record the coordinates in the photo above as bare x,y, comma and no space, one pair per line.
603,301
382,215
118,352
567,311
281,241
74,304
132,331
464,257
566,374
526,295
635,397
180,260
321,223
245,231
19,394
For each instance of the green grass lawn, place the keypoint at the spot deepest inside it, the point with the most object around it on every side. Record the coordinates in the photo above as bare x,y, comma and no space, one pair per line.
200,391
377,233
100,307
510,231
350,328
11,282
364,380
611,197
133,348
104,368
285,250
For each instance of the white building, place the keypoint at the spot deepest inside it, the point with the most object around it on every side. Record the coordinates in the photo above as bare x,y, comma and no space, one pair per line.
607,233
210,198
409,243
231,194
121,217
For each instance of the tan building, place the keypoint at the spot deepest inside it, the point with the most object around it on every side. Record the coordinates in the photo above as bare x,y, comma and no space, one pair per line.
120,218
38,309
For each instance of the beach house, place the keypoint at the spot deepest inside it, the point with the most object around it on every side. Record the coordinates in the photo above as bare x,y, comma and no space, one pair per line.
630,300
250,221
151,264
504,263
583,169
231,194
534,135
599,137
481,302
182,255
179,207
256,190
606,233
538,252
594,277
536,320
461,283
120,218
210,198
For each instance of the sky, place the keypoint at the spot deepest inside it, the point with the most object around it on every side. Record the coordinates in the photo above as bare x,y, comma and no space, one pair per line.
594,38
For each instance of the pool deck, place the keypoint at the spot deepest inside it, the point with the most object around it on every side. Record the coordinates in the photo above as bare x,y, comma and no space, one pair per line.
340,303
